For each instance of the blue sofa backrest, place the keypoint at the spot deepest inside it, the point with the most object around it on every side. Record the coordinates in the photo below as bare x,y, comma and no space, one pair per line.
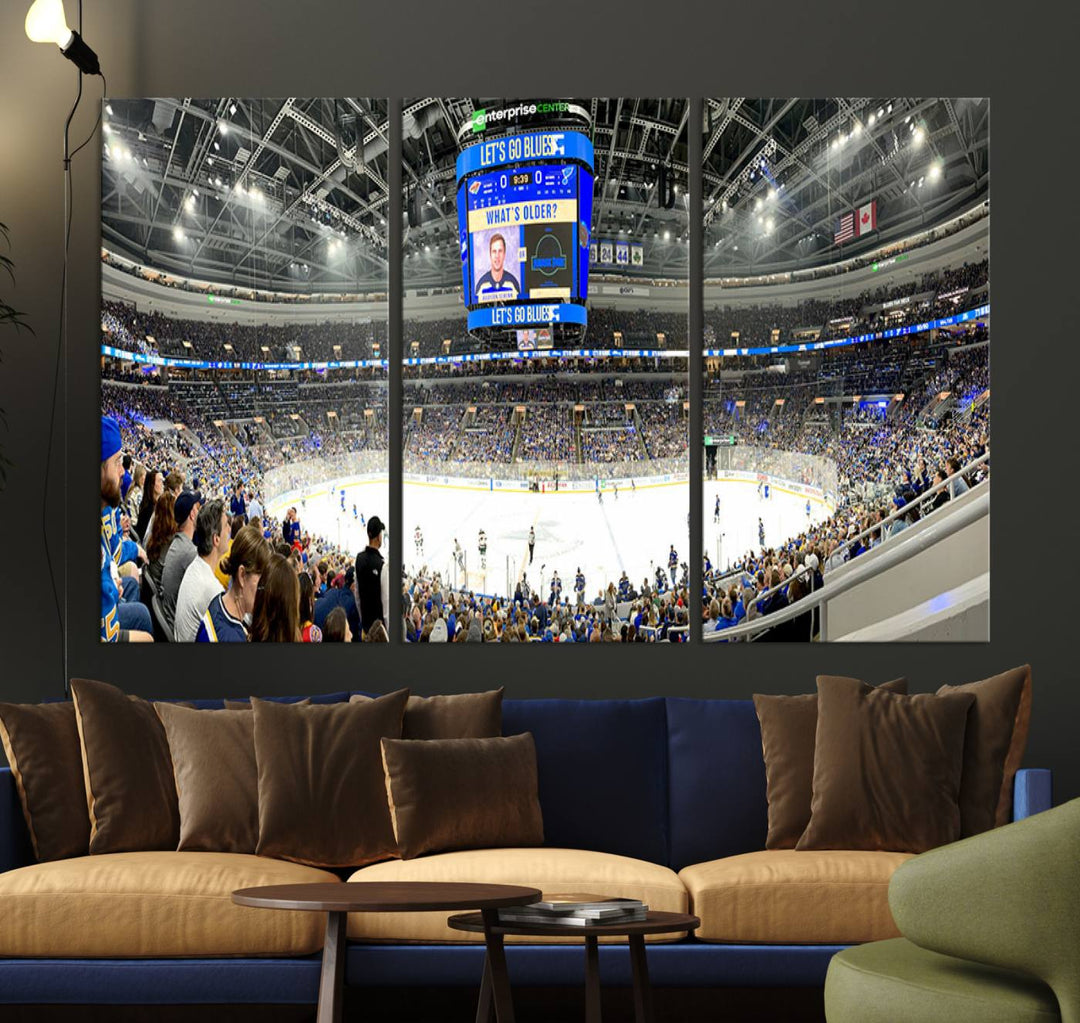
716,778
603,772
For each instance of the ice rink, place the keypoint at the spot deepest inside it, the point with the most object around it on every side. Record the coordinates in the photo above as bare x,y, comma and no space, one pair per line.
783,516
631,533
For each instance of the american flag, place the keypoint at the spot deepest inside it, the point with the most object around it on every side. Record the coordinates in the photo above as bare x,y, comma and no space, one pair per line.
846,230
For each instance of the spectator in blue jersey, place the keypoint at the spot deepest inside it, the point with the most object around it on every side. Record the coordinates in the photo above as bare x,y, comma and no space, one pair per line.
122,621
236,504
226,619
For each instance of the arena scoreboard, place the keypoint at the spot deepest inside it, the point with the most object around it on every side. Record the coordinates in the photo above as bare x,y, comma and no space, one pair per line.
524,213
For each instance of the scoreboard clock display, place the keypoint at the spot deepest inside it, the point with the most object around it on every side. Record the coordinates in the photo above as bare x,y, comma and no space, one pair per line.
524,210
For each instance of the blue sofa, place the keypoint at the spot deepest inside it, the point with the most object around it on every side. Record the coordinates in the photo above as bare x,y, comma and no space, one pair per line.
670,781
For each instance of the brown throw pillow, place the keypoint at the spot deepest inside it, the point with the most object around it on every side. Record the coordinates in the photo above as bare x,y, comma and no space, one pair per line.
994,745
886,769
788,724
460,716
217,781
42,746
322,796
127,770
463,793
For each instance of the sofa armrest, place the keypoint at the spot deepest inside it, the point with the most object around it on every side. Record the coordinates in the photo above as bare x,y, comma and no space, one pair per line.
1032,792
15,847
1008,898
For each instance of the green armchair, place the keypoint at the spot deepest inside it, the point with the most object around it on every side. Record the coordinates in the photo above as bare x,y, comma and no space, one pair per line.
991,930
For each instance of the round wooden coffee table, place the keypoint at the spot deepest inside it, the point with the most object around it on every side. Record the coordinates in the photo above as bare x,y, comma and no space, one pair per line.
337,900
496,979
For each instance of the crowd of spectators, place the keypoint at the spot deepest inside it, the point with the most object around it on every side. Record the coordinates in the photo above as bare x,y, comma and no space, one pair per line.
886,464
655,613
938,293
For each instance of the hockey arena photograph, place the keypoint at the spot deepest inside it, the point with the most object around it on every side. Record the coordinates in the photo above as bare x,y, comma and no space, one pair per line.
685,342
244,370
846,343
546,401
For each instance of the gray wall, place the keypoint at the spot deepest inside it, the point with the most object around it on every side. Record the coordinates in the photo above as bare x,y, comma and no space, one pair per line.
277,47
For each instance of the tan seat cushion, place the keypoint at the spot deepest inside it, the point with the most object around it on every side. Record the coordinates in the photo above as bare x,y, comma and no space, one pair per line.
788,897
550,870
151,904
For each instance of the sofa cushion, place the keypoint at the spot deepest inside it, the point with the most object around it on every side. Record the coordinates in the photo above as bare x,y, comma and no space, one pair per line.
457,716
717,780
127,770
153,904
42,746
322,793
448,794
788,728
994,743
780,896
896,980
602,772
887,768
550,870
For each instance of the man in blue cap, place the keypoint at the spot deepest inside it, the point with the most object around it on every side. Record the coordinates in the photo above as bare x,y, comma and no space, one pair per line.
122,620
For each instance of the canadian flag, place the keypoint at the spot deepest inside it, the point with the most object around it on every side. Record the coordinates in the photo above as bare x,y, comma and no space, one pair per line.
866,221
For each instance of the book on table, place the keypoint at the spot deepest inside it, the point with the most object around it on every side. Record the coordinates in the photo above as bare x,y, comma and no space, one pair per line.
576,909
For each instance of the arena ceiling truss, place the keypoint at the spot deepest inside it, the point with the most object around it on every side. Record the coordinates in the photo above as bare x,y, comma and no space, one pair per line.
285,194
779,173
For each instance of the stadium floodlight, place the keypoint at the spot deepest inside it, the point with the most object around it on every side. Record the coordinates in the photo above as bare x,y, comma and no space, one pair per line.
232,109
773,193
189,203
856,128
667,236
223,127
919,136
757,206
106,128
108,109
178,234
935,170
870,120
45,23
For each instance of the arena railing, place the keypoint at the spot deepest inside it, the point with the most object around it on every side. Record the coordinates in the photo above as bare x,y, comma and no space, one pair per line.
897,550
905,510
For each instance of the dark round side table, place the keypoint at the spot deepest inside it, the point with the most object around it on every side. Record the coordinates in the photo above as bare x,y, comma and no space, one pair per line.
496,979
337,900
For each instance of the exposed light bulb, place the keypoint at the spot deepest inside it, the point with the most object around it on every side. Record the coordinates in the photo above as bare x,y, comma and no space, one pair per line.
45,23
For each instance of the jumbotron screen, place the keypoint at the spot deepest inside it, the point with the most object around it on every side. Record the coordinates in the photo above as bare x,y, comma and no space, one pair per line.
524,210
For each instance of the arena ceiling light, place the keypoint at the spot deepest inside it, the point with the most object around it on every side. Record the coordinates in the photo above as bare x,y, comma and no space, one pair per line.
935,170
45,23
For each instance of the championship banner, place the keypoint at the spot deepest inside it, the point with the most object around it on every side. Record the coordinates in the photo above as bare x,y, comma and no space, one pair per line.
592,252
637,254
605,253
622,253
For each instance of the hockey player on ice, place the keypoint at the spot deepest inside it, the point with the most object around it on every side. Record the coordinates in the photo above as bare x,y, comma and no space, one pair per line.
532,543
482,544
418,541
